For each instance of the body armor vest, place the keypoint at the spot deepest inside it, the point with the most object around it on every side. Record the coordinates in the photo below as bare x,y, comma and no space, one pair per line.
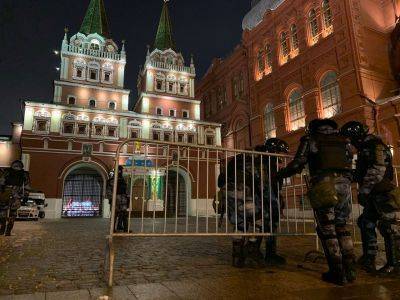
14,178
331,156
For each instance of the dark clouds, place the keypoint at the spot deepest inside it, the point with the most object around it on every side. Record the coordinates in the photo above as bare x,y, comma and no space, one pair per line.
31,29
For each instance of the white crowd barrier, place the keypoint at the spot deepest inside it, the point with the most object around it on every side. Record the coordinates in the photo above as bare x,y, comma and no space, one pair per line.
172,188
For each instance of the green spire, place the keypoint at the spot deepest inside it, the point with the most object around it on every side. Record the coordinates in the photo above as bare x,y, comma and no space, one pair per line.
95,20
164,38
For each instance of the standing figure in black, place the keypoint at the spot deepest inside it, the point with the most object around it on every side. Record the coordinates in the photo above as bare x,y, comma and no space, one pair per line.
122,201
329,159
14,184
272,199
379,197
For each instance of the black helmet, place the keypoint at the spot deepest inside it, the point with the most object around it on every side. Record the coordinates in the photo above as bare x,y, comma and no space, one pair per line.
314,125
354,130
275,145
17,165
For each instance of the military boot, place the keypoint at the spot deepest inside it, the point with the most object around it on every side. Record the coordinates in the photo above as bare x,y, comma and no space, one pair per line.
271,256
238,253
349,265
254,253
392,267
367,263
336,273
336,277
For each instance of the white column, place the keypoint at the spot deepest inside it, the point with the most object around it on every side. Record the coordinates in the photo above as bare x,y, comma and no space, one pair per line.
149,81
123,128
200,135
218,140
55,122
197,115
125,102
64,67
28,118
191,82
121,75
57,93
26,160
146,129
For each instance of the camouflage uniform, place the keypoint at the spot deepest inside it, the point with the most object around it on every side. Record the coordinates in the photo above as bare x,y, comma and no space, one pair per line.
374,174
329,159
122,202
13,186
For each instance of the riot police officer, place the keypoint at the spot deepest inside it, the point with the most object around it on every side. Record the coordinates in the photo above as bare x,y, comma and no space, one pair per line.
272,199
378,195
14,183
244,204
329,159
122,202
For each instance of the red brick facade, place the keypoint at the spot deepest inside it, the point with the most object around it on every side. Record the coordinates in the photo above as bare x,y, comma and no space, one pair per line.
314,52
224,91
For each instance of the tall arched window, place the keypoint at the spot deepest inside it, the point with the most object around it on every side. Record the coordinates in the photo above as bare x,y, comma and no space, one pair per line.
260,61
284,44
92,103
269,121
268,56
313,23
93,69
71,100
112,105
327,12
330,94
296,110
294,37
79,69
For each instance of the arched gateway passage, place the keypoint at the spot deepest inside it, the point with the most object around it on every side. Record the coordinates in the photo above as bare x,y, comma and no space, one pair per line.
177,194
83,193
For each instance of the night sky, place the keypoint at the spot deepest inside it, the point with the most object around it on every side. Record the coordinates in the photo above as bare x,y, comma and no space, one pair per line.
31,29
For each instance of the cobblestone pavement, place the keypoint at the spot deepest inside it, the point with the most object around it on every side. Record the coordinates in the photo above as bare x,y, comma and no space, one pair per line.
68,255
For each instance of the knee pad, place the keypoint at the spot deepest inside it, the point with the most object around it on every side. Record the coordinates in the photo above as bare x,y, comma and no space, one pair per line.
343,231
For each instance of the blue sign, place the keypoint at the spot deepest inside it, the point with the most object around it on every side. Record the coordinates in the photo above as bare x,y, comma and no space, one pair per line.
139,163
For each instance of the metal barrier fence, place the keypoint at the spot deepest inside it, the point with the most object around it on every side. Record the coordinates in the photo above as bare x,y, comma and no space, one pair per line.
173,191
173,187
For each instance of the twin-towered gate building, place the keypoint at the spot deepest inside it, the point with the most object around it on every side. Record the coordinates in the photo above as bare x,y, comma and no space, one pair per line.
69,146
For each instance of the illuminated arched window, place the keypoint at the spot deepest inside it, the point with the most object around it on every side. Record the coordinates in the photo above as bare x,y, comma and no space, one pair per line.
296,110
327,13
268,56
294,37
330,94
313,23
269,121
260,61
92,103
112,105
284,44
